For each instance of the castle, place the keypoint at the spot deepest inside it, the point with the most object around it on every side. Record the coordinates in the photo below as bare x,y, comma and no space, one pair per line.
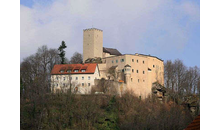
137,71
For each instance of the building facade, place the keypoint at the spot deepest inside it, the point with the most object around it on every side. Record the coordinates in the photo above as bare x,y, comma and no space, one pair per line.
79,77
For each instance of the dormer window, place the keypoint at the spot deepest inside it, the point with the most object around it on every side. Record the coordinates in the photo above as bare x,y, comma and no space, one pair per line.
68,71
76,70
62,69
83,70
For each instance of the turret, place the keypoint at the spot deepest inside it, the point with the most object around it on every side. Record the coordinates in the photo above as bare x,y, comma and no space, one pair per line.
127,72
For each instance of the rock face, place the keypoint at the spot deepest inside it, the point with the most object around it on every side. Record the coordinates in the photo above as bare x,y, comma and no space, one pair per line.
94,60
193,103
159,91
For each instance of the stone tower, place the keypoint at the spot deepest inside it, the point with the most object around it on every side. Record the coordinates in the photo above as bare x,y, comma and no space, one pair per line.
127,74
92,43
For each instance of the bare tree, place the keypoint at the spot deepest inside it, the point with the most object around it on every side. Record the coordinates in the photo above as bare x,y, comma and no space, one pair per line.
76,58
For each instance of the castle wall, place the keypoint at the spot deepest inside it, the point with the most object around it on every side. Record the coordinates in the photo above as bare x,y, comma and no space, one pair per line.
114,87
141,81
106,55
102,70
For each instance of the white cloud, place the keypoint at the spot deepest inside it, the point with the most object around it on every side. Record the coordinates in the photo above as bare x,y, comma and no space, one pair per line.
153,22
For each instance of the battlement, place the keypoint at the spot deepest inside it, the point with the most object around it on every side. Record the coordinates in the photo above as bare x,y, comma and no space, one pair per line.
90,29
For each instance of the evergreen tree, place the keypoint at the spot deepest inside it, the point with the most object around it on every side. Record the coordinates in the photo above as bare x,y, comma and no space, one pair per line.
62,52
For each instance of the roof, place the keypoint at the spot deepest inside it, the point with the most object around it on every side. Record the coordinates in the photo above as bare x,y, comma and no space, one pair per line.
195,124
89,68
127,65
121,81
112,51
113,67
135,55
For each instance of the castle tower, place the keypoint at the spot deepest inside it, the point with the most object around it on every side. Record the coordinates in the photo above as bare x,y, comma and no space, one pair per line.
92,43
127,74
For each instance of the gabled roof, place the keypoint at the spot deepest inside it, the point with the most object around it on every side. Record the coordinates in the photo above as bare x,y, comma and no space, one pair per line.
127,65
90,68
112,51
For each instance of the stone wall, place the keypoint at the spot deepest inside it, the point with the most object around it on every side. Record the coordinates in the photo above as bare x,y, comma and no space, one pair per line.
109,87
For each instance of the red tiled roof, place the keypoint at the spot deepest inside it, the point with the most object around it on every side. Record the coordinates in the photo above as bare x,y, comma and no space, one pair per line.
195,124
90,68
84,67
121,81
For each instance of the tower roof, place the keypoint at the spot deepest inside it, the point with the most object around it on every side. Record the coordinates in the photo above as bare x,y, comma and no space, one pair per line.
112,51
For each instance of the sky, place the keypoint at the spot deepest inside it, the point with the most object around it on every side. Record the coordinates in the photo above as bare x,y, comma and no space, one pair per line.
168,29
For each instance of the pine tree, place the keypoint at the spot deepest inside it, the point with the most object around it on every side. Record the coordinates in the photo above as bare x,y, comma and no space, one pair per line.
62,52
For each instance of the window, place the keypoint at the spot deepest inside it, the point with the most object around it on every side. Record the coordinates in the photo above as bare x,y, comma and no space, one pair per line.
133,70
63,85
89,78
112,61
137,71
76,70
131,79
83,70
62,71
82,84
57,78
88,84
137,61
68,71
149,69
57,85
116,61
143,61
70,78
143,72
122,60
76,78
64,78
143,80
138,80
123,70
132,60
153,66
82,78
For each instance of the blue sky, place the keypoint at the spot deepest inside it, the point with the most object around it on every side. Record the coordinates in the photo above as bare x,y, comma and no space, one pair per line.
167,29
